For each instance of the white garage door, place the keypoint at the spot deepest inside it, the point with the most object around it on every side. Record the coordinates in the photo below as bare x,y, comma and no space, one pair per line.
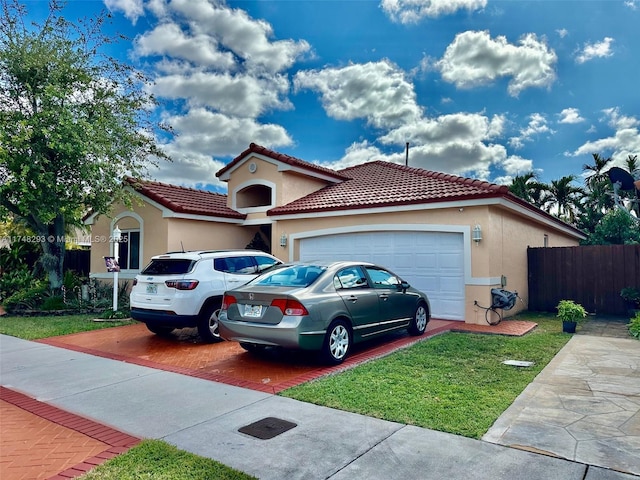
430,261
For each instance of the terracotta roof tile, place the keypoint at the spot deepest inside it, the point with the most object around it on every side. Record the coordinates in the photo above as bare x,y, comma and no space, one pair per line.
185,200
289,160
382,184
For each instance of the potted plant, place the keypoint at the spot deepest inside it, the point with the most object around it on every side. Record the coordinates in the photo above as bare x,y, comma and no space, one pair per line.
570,313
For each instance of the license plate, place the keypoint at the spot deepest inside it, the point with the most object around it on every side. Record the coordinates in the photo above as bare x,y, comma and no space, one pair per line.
253,311
152,288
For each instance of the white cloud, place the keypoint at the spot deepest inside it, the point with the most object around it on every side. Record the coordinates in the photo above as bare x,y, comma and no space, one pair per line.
632,4
169,39
375,91
562,32
623,142
412,11
616,120
356,154
222,70
475,59
203,137
234,30
537,125
132,9
595,50
516,165
570,115
241,95
457,143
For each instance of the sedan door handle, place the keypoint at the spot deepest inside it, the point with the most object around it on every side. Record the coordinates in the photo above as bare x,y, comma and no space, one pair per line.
384,296
353,298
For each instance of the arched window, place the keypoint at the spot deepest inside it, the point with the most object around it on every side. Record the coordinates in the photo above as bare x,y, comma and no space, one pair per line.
254,196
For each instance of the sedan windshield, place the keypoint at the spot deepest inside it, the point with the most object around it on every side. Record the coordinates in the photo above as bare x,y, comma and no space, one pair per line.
290,276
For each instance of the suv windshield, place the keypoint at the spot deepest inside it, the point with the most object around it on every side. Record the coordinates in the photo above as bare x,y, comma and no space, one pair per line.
168,266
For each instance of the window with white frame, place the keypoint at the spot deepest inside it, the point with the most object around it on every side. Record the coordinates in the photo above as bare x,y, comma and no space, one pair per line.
129,250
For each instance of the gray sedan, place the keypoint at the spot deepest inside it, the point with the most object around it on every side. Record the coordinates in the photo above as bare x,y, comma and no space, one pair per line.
323,306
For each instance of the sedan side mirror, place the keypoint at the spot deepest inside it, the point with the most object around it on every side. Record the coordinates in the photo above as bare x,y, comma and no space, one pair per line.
403,286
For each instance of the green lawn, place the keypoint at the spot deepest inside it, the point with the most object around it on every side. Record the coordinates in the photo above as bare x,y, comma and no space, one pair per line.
455,382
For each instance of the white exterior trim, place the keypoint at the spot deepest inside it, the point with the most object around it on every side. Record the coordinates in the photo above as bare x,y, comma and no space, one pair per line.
251,183
140,220
282,167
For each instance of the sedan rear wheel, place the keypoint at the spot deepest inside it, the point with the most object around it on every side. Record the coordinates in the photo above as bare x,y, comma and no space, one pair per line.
337,342
419,321
208,326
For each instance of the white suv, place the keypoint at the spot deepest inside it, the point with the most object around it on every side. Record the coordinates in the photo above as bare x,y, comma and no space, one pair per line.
185,289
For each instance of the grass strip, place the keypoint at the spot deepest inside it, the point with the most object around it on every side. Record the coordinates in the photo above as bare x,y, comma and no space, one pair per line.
37,327
157,460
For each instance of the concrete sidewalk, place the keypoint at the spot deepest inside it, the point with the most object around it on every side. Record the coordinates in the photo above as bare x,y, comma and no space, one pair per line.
204,417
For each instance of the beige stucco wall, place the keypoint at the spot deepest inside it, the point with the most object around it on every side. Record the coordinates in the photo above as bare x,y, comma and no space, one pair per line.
142,216
297,186
201,235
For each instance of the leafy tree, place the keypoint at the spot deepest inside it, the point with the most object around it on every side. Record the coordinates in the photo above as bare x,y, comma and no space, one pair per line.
72,122
615,228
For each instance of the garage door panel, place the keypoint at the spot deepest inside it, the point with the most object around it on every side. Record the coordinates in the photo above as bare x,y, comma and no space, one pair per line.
430,261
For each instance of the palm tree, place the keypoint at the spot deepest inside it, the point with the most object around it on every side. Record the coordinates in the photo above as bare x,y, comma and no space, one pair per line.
564,199
522,185
597,175
528,188
632,163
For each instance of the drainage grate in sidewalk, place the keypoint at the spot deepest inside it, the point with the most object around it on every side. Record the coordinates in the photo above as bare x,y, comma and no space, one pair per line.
267,428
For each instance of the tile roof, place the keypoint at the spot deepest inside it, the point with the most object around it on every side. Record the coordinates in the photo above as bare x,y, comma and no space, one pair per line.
382,184
281,157
185,200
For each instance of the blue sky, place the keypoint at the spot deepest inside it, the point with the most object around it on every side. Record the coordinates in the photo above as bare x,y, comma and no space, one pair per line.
479,88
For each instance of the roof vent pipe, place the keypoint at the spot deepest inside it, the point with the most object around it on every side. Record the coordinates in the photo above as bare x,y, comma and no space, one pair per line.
406,160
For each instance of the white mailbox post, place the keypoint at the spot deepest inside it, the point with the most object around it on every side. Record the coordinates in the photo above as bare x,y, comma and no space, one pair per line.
117,234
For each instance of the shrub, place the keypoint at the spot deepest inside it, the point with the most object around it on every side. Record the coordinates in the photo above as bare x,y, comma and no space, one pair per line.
15,280
634,326
631,295
570,311
53,303
27,299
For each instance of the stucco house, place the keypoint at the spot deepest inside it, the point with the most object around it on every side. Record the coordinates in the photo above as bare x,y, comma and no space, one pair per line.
452,237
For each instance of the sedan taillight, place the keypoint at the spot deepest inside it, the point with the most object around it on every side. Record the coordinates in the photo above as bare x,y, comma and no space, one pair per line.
289,307
182,284
227,301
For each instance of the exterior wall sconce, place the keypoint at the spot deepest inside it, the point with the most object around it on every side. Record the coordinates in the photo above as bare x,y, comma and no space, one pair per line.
477,234
283,240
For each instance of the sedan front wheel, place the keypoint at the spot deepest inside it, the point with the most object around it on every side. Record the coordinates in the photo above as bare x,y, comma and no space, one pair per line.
337,342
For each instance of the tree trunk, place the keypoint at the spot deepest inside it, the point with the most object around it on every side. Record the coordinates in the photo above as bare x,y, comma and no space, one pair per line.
53,249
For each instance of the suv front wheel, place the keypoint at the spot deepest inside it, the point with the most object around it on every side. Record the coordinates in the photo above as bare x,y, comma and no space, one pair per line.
208,326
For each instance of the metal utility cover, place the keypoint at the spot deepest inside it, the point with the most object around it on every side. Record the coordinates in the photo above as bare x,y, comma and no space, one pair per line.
267,428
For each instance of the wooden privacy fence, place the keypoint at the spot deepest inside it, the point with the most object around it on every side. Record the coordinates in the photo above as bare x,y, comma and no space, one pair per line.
590,275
